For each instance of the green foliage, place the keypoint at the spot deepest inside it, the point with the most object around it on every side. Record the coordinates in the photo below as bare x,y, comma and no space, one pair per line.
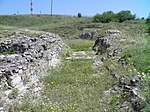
148,24
142,18
109,16
148,21
67,52
106,17
125,15
79,15
14,92
139,56
148,31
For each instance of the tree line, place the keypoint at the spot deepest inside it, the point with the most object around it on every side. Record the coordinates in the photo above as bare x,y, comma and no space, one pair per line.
121,16
110,16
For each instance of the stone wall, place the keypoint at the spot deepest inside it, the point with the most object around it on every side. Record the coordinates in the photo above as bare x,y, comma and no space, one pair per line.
23,60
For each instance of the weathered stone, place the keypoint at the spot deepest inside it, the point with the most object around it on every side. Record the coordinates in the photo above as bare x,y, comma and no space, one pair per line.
136,79
138,107
126,106
26,58
113,32
2,57
98,63
85,35
102,43
135,91
122,81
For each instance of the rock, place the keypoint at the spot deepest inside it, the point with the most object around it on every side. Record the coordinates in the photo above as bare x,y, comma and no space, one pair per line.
114,53
85,35
2,57
16,80
122,62
122,81
91,34
94,33
98,63
113,32
1,109
138,107
136,79
126,105
109,54
103,59
127,88
135,91
102,43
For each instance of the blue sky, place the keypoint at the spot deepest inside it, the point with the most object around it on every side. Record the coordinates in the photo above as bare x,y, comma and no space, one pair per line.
71,7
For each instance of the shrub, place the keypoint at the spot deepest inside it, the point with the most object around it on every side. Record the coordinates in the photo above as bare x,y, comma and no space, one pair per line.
67,52
79,15
142,18
125,15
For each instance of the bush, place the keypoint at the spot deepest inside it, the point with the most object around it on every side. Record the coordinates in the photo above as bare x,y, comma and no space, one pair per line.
125,15
106,17
79,15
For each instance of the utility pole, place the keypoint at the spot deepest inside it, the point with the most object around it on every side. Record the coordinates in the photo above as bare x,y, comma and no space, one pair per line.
51,7
31,9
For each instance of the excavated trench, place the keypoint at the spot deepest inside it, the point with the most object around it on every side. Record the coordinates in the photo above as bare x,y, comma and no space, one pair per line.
25,59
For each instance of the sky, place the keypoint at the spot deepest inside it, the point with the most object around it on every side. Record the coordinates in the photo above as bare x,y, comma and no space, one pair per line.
71,7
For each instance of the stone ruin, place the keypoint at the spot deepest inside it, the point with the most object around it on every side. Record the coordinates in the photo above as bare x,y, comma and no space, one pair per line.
129,87
88,26
91,34
23,60
113,32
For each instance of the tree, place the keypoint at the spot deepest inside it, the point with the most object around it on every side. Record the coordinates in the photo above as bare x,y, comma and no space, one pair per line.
109,16
125,15
97,18
142,18
79,15
106,17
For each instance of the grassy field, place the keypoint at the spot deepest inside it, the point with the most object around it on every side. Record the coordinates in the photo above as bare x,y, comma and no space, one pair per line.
66,26
74,87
